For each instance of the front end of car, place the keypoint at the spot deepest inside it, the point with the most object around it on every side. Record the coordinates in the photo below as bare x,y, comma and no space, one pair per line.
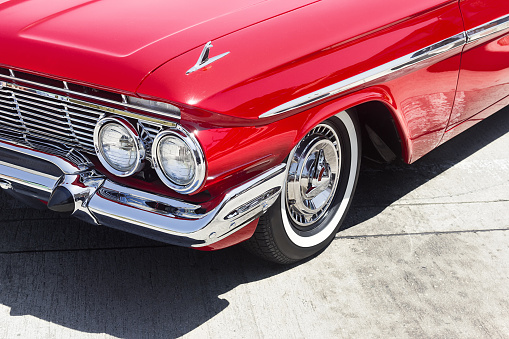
121,161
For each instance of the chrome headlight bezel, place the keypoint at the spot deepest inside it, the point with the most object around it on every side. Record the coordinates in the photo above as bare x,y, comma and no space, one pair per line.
138,144
197,155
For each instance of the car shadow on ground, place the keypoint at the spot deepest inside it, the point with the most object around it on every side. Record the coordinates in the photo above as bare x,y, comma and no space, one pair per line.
381,185
99,280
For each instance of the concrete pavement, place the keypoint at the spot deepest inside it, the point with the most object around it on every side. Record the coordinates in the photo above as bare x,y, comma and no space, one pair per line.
424,254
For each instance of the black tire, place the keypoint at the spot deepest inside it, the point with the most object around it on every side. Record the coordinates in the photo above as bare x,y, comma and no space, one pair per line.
291,230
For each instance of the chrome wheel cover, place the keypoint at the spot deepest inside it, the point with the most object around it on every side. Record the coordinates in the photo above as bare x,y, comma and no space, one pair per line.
313,177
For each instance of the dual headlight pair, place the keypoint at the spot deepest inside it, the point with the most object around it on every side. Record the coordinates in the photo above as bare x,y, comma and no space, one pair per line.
176,155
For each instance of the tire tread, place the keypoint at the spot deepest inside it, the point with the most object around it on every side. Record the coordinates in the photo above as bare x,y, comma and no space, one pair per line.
262,244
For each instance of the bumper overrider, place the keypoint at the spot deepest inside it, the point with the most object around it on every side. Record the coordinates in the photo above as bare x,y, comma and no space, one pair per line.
69,183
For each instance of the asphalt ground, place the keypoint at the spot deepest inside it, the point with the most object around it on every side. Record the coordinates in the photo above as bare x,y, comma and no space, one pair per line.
424,254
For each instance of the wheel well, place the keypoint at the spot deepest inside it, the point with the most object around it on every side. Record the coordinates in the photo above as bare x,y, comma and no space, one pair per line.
376,117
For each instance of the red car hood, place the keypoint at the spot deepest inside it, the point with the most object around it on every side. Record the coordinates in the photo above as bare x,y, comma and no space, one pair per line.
115,44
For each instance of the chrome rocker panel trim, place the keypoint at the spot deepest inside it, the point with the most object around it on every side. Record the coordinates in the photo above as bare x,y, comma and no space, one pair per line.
100,201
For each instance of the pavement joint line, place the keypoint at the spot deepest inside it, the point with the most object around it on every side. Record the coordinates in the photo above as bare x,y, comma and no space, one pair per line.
419,233
433,203
35,219
84,249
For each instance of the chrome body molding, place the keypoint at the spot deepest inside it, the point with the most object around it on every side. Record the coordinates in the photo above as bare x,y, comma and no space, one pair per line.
490,28
204,60
65,90
204,228
101,201
367,77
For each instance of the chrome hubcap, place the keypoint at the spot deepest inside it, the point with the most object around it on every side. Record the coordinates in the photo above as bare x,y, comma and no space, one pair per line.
313,176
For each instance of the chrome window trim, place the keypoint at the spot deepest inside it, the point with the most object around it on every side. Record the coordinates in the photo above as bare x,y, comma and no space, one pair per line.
406,61
67,91
487,29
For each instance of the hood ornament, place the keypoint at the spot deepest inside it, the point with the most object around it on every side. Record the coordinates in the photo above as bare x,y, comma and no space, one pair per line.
204,60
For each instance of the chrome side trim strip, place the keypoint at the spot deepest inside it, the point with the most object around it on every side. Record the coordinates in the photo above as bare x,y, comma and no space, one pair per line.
487,29
373,74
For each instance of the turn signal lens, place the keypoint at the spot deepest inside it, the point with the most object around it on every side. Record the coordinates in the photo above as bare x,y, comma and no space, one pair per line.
154,105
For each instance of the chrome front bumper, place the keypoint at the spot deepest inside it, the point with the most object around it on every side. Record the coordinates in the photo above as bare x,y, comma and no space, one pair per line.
101,201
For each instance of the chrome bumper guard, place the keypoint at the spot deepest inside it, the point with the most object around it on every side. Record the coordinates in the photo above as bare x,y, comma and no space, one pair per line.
101,201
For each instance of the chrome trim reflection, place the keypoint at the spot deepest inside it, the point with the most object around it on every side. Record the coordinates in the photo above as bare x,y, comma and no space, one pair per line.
204,60
67,91
219,221
151,202
96,201
66,99
371,75
488,29
65,165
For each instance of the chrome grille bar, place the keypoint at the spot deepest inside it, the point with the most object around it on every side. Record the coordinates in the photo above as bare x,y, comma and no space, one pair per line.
27,112
63,87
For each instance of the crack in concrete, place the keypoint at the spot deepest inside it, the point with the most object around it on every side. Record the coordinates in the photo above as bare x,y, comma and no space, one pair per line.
419,233
84,249
431,203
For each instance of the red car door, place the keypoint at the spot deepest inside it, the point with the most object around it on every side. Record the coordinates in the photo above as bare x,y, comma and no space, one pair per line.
484,73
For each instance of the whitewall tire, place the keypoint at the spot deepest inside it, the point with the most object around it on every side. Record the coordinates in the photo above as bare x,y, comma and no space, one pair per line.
321,176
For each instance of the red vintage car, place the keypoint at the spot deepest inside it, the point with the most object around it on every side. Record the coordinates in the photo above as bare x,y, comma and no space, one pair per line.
210,123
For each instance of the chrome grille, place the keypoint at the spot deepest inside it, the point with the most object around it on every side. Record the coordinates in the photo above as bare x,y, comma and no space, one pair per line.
32,115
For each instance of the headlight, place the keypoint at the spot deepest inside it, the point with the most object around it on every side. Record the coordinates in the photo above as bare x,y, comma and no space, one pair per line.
118,146
179,161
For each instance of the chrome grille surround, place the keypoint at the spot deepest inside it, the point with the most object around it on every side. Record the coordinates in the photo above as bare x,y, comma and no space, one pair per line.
37,112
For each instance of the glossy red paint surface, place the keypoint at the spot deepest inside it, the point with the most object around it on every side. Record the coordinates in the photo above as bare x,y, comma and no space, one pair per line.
115,45
279,51
259,74
242,235
482,84
306,58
